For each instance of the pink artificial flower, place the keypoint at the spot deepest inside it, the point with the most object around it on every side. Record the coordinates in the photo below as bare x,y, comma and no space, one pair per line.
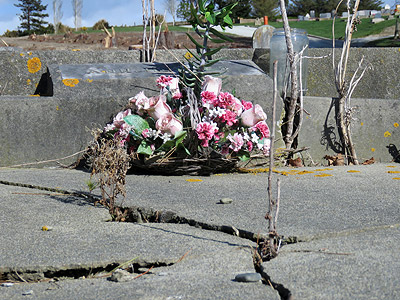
139,97
263,128
177,95
159,109
212,84
229,117
208,97
142,103
237,107
164,81
252,116
236,141
249,146
119,118
146,133
167,123
226,100
205,132
247,105
265,147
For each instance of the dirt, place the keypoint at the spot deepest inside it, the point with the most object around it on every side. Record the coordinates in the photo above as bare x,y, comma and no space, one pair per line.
96,41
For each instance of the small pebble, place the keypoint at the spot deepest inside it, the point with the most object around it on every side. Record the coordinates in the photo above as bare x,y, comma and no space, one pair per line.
248,277
121,276
226,201
7,284
27,293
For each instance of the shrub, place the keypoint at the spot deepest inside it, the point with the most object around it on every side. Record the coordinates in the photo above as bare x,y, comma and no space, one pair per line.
13,33
99,25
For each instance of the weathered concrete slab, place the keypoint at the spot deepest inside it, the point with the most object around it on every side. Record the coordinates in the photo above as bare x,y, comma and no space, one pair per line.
349,224
375,129
82,239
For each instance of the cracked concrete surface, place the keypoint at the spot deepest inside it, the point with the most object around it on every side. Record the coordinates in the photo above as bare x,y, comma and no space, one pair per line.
349,223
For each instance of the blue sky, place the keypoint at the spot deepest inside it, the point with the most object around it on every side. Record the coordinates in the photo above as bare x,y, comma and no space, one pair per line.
116,12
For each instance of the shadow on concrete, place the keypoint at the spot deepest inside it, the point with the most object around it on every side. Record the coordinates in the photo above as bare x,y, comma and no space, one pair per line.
329,138
394,152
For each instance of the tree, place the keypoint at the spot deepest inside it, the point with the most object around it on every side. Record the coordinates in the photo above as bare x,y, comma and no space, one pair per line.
77,10
241,10
371,4
183,11
265,8
32,16
57,14
172,7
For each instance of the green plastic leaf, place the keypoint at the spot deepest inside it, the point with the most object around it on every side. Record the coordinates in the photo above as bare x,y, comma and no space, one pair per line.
144,148
194,55
228,20
210,17
179,137
244,155
220,35
201,6
212,52
194,41
139,124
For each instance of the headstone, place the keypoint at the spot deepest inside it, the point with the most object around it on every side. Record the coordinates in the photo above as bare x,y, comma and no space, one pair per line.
345,14
262,36
378,15
373,13
325,15
312,14
377,20
300,18
363,13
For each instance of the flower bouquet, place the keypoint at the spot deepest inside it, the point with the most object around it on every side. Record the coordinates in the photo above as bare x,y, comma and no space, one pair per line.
174,132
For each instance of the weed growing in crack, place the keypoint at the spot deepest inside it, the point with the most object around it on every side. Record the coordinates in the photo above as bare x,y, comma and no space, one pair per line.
110,163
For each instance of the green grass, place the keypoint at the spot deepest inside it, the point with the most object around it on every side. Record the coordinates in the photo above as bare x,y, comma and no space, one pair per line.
323,28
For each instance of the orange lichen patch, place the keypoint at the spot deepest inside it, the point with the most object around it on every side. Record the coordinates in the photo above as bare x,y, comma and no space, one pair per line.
76,50
89,80
305,172
353,171
321,170
29,53
34,64
71,82
322,175
396,124
194,180
390,166
28,81
393,172
387,134
396,178
373,149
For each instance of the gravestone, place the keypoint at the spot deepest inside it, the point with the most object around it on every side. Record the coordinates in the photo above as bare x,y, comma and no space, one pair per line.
345,14
262,36
325,15
312,14
377,20
300,18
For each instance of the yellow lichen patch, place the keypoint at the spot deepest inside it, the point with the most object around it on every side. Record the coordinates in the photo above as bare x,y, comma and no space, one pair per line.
373,149
76,49
70,82
103,71
393,172
396,124
22,55
29,53
34,95
45,228
34,64
362,123
353,171
89,80
321,170
188,55
194,180
322,175
390,166
387,134
396,178
57,108
28,81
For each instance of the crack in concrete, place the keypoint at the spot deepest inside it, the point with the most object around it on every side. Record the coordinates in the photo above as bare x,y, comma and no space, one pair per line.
38,274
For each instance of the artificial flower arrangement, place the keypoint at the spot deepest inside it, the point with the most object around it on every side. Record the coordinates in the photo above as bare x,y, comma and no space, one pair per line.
163,126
